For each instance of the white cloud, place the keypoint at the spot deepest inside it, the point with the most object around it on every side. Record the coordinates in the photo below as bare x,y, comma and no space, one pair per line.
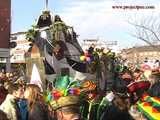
86,16
98,18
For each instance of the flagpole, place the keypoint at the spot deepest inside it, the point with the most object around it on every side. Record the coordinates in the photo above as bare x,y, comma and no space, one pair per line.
46,4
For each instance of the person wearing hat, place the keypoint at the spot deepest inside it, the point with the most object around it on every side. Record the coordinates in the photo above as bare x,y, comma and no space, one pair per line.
118,108
9,105
59,28
37,108
67,108
137,89
154,90
65,99
45,19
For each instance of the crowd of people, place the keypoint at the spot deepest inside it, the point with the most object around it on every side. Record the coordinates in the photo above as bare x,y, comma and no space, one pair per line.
62,99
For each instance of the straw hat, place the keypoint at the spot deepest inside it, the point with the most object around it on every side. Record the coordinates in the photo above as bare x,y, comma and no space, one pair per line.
65,101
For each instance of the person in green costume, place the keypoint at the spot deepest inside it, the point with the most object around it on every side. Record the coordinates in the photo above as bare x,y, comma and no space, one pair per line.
59,29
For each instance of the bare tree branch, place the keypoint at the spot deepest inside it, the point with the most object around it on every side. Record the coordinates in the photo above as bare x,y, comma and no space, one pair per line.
147,30
141,38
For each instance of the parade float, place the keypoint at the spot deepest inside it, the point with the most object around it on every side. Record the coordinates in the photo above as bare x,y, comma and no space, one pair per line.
77,77
55,51
74,75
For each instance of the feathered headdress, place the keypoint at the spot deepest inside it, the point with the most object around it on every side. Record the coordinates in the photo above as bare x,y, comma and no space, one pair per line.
67,92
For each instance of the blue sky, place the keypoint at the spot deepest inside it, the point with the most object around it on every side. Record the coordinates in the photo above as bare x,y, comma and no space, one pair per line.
90,18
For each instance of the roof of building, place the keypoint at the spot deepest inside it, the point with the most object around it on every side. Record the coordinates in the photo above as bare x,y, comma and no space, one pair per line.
143,49
18,33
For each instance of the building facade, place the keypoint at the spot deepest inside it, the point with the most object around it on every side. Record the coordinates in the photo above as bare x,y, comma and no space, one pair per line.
18,53
5,13
138,55
5,20
99,44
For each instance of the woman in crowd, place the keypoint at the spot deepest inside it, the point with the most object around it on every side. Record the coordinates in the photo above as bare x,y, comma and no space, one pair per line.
9,106
37,110
22,104
3,93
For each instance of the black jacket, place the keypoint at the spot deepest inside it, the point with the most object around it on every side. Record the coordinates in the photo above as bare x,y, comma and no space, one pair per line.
39,112
113,113
154,91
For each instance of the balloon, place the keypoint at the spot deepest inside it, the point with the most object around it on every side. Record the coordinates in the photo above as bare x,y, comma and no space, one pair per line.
77,91
147,73
56,94
92,58
71,91
86,54
88,59
82,58
91,96
74,91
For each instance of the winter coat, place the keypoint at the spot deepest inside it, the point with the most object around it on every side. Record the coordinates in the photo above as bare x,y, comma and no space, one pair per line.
39,112
154,91
114,113
10,107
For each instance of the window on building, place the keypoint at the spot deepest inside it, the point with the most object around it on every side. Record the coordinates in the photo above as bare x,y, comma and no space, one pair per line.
155,53
146,53
150,53
2,59
141,54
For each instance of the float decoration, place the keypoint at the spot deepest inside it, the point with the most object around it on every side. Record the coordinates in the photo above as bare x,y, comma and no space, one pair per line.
69,92
150,107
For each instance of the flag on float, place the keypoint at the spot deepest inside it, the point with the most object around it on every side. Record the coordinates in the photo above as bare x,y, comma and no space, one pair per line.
35,77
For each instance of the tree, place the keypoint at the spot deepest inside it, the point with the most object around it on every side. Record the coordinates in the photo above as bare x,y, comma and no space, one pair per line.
147,30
